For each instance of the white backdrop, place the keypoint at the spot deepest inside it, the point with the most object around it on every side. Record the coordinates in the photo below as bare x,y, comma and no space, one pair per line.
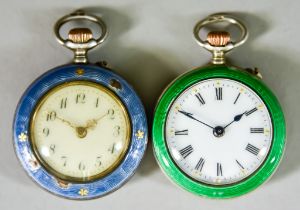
150,43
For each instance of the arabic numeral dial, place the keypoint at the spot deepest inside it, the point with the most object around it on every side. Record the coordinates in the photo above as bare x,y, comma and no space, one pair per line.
80,130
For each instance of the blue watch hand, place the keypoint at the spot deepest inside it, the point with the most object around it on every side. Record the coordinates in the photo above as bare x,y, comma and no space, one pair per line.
190,116
235,119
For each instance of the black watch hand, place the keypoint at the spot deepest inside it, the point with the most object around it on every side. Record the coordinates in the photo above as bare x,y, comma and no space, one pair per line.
190,116
235,119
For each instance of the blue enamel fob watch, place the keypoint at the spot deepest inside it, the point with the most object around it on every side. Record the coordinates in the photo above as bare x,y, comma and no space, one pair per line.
80,130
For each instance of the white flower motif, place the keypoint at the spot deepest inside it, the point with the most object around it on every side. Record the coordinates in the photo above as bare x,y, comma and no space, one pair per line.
83,192
22,137
139,134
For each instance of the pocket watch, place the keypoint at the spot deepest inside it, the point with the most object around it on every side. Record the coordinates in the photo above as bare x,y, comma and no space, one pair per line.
80,130
218,130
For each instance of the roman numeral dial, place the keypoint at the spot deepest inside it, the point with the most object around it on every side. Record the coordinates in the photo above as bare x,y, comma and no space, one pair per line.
200,164
182,132
237,98
251,111
219,93
186,151
219,169
218,131
239,164
200,98
256,130
252,149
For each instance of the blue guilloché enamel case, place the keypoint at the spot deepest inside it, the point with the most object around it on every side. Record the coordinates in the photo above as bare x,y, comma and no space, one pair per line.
109,80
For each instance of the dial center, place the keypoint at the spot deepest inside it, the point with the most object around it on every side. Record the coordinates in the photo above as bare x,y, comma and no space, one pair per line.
81,132
218,131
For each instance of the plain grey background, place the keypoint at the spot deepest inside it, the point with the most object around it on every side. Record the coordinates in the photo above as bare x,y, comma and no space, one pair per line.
150,43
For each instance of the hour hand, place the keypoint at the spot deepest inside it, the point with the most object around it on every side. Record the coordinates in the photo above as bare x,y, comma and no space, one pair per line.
190,115
91,124
235,119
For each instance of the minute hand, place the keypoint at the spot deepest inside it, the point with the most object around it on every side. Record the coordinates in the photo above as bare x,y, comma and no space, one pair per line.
190,116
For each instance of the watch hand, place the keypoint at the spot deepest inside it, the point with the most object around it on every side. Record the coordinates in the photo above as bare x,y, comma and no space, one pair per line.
66,122
235,119
81,131
190,116
92,123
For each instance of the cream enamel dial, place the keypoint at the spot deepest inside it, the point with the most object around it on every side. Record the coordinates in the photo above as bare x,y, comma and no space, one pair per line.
218,131
80,131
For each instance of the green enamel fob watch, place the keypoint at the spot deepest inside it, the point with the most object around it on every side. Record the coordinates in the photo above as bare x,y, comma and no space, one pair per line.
218,130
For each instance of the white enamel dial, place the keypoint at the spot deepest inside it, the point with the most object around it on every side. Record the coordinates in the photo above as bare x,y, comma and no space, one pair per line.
80,131
218,131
